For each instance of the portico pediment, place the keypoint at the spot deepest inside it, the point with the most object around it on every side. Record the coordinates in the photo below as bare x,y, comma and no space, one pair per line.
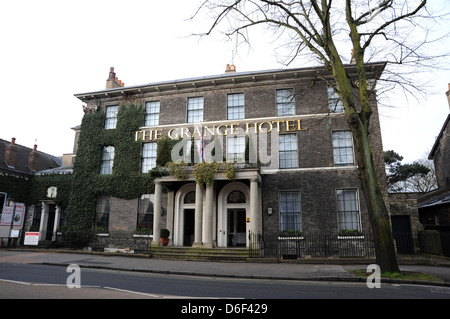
240,174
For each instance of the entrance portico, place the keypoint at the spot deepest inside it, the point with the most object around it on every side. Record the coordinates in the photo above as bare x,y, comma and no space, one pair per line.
222,213
50,219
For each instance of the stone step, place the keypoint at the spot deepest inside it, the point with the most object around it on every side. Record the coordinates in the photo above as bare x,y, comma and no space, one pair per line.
189,253
45,244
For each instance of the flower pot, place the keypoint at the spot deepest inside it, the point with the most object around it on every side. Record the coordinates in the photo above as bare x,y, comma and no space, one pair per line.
164,241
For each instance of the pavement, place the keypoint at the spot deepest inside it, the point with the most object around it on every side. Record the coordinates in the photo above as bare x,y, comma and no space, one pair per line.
248,270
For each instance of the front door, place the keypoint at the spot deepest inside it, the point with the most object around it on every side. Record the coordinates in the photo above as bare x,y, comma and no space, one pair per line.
236,227
50,221
189,227
401,231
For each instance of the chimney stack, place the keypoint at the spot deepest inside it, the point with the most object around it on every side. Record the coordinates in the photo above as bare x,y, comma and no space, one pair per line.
33,159
230,68
113,81
10,153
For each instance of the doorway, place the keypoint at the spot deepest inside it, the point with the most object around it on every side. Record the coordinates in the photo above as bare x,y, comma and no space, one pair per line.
189,227
236,227
401,231
50,221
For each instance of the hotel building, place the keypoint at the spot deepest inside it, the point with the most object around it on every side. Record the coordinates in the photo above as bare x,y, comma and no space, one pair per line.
286,154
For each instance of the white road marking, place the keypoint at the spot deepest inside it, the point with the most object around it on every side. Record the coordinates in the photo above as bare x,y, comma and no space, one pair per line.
133,292
16,282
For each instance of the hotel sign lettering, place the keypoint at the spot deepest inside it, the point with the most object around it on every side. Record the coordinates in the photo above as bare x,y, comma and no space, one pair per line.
200,130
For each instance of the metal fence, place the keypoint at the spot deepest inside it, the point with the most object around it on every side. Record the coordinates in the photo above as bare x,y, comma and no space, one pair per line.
423,244
125,243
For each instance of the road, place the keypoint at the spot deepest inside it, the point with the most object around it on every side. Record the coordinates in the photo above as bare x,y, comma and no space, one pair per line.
18,280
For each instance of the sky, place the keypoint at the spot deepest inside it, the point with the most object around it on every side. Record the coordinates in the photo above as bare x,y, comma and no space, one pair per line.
51,50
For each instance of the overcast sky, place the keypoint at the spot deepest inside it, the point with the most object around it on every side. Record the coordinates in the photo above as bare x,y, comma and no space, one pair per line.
51,50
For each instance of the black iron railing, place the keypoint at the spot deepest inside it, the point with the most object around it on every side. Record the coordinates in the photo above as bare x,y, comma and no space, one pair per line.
421,244
132,243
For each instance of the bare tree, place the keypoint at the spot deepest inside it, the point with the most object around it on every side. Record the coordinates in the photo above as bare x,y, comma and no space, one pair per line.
317,28
423,183
419,176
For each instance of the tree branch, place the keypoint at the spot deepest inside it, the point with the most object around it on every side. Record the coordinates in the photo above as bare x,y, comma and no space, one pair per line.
390,22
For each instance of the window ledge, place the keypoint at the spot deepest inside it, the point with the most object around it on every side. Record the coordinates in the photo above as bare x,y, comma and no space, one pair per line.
102,234
350,237
142,236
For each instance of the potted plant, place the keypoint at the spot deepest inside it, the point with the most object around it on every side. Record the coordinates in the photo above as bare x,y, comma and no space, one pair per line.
164,236
354,233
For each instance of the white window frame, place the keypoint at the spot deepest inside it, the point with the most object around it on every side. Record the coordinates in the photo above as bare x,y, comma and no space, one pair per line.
285,102
149,151
195,107
283,151
348,209
106,167
111,117
334,101
236,149
152,109
235,106
290,212
343,149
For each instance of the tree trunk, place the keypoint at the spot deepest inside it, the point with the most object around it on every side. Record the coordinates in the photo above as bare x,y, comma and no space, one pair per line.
378,214
359,122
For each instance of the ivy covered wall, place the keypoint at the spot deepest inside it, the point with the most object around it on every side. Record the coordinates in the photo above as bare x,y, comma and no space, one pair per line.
126,180
33,189
41,183
17,188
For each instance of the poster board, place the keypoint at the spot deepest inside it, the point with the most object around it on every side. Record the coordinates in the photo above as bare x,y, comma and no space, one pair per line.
31,238
7,215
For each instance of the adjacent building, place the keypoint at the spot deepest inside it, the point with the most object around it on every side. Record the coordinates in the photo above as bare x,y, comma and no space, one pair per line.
18,165
434,207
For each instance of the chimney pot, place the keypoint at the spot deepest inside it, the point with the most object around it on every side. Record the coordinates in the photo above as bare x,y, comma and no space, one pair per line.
113,81
230,68
33,159
10,153
112,75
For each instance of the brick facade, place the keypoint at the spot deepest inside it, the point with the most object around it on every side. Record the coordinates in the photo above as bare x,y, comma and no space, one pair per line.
316,176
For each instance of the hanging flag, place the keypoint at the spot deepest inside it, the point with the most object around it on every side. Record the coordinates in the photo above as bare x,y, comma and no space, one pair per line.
200,149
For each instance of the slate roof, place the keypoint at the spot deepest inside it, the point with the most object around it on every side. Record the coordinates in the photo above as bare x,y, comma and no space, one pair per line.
46,161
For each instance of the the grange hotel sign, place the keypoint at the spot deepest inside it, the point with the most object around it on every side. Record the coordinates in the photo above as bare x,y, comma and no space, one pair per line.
208,131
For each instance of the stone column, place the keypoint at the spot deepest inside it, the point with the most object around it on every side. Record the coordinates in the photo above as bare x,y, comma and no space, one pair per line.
56,222
208,217
43,224
198,215
254,205
157,214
